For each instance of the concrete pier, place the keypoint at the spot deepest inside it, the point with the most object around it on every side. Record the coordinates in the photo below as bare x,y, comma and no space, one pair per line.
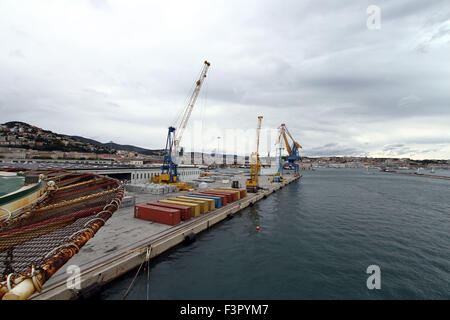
124,242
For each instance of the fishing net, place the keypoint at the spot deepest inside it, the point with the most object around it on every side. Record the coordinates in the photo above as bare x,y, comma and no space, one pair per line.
39,239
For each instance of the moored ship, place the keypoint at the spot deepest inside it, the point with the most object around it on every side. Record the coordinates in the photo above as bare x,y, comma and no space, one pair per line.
33,189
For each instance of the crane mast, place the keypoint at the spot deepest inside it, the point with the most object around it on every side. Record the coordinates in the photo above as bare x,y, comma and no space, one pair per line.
252,183
258,130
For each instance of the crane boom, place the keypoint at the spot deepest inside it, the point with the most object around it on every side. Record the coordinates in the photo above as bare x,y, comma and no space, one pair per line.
169,169
288,148
187,112
283,132
289,134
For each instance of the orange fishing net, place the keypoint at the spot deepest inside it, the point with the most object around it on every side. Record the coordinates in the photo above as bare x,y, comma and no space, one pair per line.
36,241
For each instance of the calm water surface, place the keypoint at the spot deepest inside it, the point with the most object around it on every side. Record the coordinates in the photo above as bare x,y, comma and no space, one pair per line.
317,238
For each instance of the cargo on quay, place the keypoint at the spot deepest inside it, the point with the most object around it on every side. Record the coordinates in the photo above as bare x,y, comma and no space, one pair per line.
126,242
56,231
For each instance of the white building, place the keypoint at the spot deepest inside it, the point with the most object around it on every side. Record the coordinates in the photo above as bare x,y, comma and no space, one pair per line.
137,162
185,174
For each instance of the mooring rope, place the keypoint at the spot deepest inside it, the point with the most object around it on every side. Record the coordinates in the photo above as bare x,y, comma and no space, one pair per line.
148,269
147,258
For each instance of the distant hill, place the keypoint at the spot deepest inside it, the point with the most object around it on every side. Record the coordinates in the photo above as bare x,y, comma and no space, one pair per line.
115,146
23,135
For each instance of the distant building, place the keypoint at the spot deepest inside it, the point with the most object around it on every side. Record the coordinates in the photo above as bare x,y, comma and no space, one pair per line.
136,162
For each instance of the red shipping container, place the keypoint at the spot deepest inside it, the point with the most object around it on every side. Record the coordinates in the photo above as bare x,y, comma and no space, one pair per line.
208,193
157,214
184,211
228,195
232,193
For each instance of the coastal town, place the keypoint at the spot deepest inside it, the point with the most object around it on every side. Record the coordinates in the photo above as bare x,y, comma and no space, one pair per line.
23,142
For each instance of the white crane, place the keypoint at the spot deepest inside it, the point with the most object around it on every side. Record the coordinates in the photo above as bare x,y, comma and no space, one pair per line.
188,110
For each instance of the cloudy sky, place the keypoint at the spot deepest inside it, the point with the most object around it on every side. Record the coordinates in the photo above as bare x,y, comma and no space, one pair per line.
122,70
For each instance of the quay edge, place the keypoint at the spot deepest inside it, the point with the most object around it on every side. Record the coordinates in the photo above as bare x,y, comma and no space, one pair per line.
109,267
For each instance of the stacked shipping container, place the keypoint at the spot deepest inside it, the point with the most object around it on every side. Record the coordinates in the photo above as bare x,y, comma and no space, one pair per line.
182,208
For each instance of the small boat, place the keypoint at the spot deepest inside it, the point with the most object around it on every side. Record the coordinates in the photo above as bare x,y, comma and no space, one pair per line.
32,190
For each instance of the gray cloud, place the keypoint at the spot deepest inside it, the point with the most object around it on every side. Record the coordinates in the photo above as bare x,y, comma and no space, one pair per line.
122,71
336,150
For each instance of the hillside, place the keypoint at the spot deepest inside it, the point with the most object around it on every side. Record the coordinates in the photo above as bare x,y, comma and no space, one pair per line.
18,134
115,146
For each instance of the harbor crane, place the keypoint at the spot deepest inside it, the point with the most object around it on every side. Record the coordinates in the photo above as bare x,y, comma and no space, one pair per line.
293,152
169,169
255,166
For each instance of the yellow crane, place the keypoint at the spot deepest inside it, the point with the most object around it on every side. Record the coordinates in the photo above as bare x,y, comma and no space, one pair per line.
255,166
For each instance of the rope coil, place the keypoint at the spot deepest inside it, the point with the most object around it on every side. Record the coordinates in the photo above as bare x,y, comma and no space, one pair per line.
80,231
62,246
104,222
9,214
8,281
36,283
